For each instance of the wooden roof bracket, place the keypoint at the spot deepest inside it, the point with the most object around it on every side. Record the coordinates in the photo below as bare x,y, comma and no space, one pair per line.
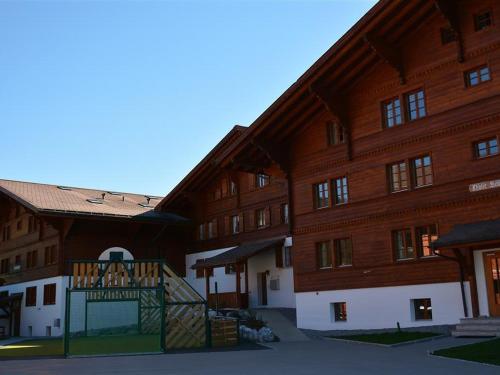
387,52
449,10
274,153
334,103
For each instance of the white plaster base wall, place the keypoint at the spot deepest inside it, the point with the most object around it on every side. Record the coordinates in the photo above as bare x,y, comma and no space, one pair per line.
482,293
378,308
40,316
285,296
265,261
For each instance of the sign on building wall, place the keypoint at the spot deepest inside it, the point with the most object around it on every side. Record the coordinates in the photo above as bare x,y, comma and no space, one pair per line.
486,185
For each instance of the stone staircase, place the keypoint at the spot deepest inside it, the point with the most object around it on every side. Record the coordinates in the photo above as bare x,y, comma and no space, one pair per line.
477,327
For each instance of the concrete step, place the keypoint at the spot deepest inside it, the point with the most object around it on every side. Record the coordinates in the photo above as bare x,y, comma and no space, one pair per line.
483,320
478,327
478,333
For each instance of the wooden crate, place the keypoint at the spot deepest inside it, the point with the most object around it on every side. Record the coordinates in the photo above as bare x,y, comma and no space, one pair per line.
224,332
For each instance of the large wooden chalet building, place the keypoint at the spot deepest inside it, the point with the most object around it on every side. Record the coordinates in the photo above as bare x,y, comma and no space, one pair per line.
367,195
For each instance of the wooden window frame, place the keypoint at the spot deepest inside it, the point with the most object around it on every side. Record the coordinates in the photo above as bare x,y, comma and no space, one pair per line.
405,245
447,35
262,180
49,294
419,247
257,218
318,257
339,311
335,133
413,171
476,15
407,110
344,190
336,249
385,117
201,232
5,266
238,230
50,255
489,154
391,176
30,298
285,213
427,315
477,70
31,259
316,198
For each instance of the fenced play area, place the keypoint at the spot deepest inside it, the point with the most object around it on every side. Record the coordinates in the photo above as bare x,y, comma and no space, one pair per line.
125,306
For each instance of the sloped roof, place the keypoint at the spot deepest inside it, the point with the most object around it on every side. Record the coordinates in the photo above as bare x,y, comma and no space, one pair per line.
239,253
470,233
54,199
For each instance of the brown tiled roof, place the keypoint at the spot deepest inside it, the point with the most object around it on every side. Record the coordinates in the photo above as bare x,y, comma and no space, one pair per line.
53,199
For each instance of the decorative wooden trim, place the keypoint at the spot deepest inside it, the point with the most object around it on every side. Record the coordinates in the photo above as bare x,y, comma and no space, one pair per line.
422,138
395,213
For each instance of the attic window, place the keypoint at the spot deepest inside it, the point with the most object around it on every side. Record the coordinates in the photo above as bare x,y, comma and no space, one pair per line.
448,35
95,201
113,193
146,205
64,188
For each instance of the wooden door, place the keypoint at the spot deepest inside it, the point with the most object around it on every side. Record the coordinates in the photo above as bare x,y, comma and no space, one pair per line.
492,272
262,288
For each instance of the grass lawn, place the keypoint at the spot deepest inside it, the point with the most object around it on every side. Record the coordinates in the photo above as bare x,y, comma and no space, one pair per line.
485,352
83,346
389,338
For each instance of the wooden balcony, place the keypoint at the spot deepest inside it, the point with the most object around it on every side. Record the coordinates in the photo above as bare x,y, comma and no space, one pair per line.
228,300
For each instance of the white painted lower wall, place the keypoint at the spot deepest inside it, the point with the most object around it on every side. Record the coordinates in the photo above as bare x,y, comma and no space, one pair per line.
482,293
379,308
40,317
265,261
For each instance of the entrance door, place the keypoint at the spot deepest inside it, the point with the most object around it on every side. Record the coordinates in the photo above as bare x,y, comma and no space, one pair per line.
262,288
492,272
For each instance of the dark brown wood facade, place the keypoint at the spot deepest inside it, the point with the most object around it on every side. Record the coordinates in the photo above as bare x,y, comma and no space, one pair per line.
396,50
40,246
211,196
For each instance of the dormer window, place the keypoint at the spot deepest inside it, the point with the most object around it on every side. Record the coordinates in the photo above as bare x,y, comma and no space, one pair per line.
261,180
482,20
335,133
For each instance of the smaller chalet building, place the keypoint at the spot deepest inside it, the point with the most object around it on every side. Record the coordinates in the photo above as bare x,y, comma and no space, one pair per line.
44,227
240,251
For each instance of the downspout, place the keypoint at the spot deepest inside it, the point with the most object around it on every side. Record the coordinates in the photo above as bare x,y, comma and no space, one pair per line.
462,277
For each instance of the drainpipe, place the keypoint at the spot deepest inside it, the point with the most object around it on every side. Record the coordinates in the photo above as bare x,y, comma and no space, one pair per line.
462,276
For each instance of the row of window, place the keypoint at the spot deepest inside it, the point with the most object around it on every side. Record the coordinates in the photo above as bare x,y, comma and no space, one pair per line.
32,227
50,257
482,21
228,187
421,309
49,295
414,106
402,176
339,252
209,230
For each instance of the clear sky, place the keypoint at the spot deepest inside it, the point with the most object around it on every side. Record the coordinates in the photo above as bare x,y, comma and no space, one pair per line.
130,95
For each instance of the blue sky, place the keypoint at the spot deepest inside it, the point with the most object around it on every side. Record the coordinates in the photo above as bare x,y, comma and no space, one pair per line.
130,95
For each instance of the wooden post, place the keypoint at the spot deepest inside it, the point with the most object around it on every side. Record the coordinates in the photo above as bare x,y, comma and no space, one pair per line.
207,282
247,297
238,286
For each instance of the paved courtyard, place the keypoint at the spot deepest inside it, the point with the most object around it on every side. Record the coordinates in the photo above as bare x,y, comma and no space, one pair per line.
311,357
